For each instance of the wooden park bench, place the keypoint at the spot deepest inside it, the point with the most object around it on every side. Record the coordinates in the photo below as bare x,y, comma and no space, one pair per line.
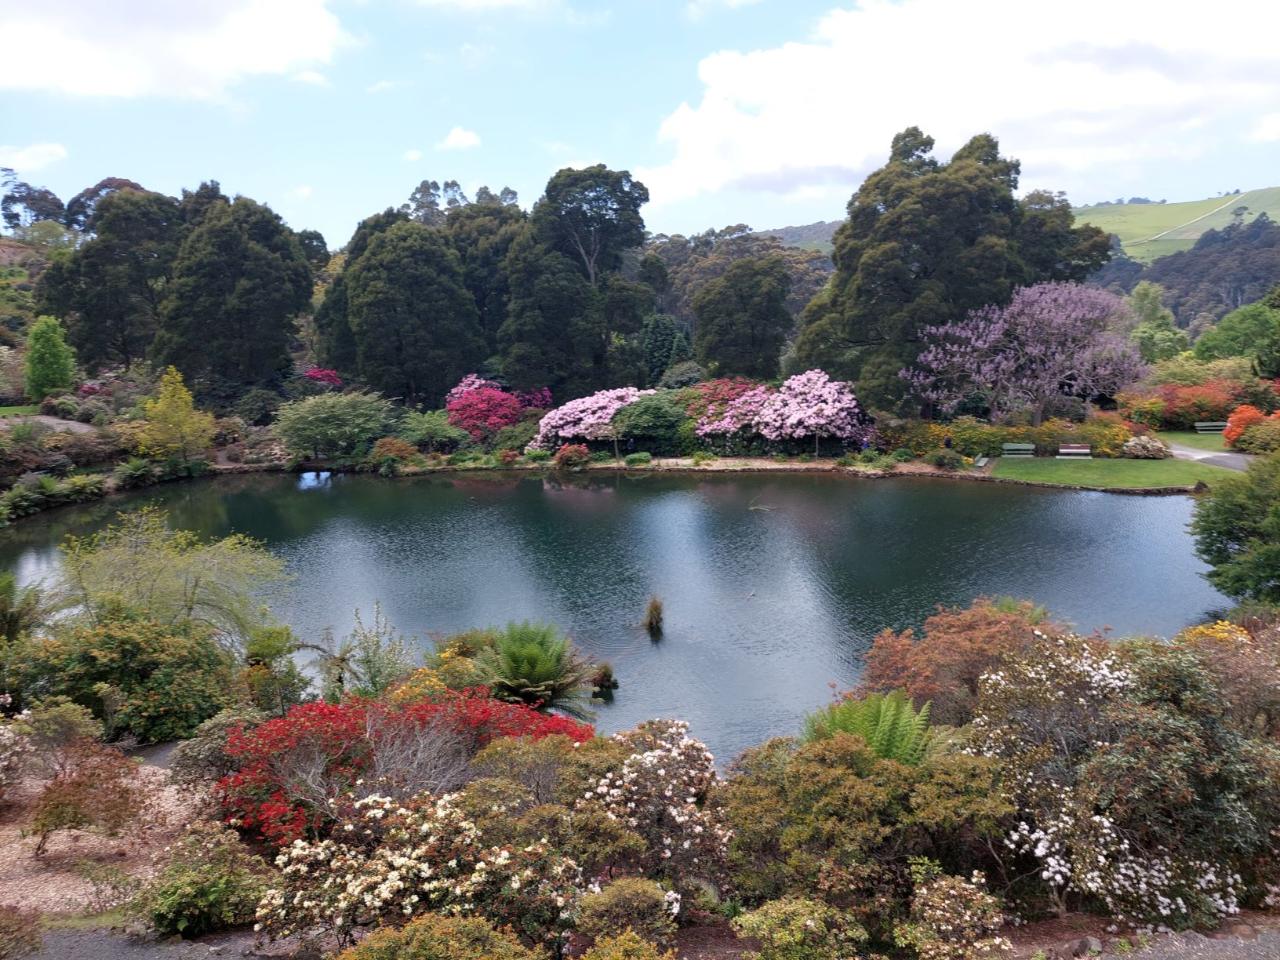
1210,426
1075,451
980,462
1017,449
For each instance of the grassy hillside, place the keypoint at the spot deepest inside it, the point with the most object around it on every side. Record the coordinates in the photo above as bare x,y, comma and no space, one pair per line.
1152,230
810,236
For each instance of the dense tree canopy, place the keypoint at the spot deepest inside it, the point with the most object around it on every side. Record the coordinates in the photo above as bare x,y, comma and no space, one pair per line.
415,324
1155,333
743,319
591,216
110,290
239,281
1239,333
926,242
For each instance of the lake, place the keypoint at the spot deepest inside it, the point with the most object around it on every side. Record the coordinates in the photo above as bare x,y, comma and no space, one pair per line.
774,583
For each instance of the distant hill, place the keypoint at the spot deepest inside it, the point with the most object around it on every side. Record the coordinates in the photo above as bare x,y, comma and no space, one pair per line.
811,236
1151,230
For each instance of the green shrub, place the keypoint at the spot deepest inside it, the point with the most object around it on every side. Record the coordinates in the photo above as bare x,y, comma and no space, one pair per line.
432,431
538,456
81,489
203,758
890,725
631,903
515,437
332,424
139,676
135,472
1261,438
703,456
439,937
944,459
22,501
869,455
794,928
640,459
951,918
628,946
602,456
654,422
212,882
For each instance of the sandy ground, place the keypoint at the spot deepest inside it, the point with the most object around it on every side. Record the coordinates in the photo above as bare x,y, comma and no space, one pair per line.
50,883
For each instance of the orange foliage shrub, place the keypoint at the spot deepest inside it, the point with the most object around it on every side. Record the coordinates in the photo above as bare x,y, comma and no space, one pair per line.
956,647
1242,418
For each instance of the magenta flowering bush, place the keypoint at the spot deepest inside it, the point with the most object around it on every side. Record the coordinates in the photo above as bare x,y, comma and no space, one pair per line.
537,399
587,418
324,377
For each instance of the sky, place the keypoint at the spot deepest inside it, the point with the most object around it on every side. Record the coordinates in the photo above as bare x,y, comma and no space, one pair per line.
765,112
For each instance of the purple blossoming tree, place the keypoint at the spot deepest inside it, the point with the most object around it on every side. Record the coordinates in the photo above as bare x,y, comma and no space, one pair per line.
1051,341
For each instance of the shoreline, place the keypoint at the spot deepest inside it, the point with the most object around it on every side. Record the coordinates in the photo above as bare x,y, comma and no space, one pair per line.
672,466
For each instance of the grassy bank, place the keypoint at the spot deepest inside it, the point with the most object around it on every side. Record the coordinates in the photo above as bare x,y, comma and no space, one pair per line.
1110,474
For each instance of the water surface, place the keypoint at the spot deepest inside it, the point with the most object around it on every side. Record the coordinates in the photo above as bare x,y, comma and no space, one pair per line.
774,584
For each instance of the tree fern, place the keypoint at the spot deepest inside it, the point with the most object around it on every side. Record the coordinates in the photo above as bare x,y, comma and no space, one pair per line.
891,726
534,663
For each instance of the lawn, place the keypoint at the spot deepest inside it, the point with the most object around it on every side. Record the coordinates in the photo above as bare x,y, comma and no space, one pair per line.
18,411
1189,438
1115,474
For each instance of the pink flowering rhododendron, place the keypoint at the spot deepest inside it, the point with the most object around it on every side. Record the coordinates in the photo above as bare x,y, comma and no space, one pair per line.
472,381
587,418
809,404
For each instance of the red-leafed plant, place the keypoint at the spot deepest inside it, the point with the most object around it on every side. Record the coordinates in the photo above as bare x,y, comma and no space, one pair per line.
483,411
293,771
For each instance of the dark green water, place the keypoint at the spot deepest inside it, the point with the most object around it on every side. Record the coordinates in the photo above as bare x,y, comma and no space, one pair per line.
774,584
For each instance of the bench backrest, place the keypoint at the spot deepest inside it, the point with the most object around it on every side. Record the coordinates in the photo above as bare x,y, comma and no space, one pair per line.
1074,448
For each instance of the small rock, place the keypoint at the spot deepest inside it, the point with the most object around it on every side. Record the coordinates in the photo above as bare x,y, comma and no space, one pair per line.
216,951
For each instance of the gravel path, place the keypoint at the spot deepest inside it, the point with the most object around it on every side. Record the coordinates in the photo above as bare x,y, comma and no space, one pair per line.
113,945
1232,461
54,423
1194,946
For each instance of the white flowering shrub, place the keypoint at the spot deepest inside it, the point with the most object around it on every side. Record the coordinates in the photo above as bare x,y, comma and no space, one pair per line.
1133,791
14,751
951,918
387,862
661,793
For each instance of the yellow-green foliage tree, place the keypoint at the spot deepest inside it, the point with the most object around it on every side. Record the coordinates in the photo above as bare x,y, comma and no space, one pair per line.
51,363
174,427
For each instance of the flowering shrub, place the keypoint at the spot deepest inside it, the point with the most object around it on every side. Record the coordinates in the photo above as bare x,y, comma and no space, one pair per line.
471,381
389,861
734,416
483,411
811,404
794,928
1242,417
661,793
951,918
1105,433
291,768
631,903
1178,407
1262,437
324,377
587,418
572,456
14,750
627,946
536,399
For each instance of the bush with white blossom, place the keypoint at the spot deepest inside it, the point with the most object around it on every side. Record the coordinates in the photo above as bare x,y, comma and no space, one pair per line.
661,793
387,862
809,405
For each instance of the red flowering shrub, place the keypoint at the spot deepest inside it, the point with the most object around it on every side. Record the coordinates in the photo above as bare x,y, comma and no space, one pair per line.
1184,406
714,396
324,377
291,769
483,411
539,399
1242,418
572,456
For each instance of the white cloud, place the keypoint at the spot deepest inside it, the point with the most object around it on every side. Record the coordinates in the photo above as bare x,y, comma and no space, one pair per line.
486,6
1065,95
412,156
196,49
697,9
459,138
381,86
303,191
1267,129
313,78
32,157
